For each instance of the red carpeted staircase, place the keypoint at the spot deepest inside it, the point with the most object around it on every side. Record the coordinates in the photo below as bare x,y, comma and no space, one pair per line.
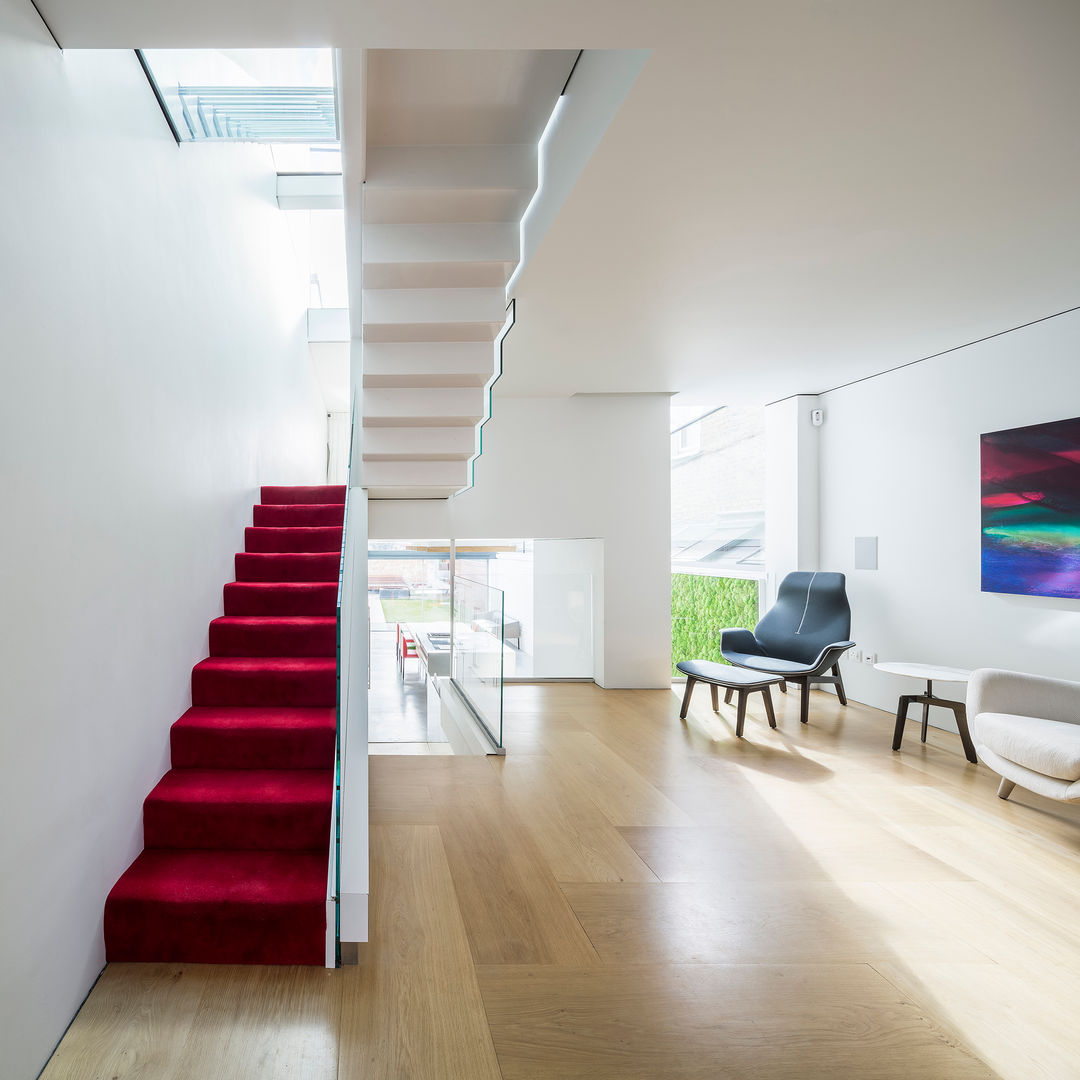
237,833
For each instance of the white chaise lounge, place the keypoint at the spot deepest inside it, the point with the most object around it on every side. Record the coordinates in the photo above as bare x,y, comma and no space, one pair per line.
1027,729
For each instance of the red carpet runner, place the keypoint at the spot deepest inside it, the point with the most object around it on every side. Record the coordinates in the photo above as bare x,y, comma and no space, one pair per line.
237,833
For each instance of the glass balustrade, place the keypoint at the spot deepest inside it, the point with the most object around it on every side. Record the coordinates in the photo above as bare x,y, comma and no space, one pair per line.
478,652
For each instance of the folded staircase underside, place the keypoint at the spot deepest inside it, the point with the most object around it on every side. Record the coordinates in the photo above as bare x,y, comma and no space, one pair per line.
237,833
451,165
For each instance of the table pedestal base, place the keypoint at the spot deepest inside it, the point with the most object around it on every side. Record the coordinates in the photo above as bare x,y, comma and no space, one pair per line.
958,708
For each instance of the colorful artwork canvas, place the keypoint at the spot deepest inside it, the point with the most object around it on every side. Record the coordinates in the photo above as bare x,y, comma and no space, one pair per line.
1031,510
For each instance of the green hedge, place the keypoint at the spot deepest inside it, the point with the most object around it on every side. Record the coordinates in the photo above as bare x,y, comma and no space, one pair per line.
703,606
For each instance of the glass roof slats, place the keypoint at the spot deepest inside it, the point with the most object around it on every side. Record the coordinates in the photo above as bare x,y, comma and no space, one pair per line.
252,95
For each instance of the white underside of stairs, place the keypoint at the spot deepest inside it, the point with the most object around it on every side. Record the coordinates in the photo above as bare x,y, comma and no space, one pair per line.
450,167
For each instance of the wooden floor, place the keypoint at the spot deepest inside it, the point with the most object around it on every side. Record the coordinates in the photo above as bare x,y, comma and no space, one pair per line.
628,896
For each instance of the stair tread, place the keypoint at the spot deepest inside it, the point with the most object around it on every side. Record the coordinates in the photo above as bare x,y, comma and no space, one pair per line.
263,622
272,664
280,597
297,515
253,717
276,494
249,787
296,566
213,877
292,539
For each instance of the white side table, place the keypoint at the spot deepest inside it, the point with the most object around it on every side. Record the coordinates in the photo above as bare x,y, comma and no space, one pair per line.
930,672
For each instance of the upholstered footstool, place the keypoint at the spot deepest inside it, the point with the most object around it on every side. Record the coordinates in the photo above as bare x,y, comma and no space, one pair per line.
741,681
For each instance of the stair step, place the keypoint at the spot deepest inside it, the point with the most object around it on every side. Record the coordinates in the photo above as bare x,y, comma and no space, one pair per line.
309,682
281,598
323,493
430,363
469,305
207,737
288,566
290,514
274,635
420,473
219,907
431,407
293,538
482,243
240,809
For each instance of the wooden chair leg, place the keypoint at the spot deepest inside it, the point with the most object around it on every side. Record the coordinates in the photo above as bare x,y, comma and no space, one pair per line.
715,697
901,717
727,696
1005,788
767,695
783,686
804,701
690,683
839,684
925,721
740,715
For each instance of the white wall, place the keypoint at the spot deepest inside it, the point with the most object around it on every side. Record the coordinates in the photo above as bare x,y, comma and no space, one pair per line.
567,608
792,489
900,461
154,372
588,466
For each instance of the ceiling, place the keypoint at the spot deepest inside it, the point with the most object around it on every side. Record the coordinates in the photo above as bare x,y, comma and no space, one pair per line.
794,194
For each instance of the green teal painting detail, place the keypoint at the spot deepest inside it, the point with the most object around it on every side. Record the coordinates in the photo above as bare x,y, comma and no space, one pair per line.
1031,510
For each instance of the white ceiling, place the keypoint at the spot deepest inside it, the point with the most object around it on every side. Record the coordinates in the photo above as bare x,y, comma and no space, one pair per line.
794,193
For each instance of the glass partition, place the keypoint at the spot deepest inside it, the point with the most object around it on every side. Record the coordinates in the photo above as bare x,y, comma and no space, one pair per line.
478,652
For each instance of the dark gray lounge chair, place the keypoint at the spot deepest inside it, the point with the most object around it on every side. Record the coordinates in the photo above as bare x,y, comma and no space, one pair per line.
801,637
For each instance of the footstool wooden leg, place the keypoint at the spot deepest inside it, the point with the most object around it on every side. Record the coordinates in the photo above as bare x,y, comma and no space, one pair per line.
715,697
690,683
727,696
740,716
766,693
901,716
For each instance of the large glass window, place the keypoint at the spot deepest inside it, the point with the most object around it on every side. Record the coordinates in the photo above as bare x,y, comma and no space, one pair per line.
717,525
408,582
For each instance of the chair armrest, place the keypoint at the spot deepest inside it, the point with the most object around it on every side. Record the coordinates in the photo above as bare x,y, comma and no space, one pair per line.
830,655
740,641
998,691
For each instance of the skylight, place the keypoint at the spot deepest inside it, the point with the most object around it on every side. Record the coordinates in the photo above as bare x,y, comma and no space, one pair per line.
250,95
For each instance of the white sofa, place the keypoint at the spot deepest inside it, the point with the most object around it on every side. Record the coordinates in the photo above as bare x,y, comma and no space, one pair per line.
1027,729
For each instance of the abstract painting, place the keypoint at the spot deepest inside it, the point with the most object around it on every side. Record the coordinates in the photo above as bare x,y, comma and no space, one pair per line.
1031,510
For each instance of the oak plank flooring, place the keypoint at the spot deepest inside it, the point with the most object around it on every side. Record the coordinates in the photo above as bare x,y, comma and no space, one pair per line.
511,904
689,1022
629,895
264,1023
133,1025
743,922
411,1008
576,839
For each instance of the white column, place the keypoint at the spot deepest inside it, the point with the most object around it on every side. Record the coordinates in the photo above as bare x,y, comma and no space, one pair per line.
792,530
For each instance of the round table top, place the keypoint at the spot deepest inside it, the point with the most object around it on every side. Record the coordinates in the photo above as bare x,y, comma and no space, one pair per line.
924,671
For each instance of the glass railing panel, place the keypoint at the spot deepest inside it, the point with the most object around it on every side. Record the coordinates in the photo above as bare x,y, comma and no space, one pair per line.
478,652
